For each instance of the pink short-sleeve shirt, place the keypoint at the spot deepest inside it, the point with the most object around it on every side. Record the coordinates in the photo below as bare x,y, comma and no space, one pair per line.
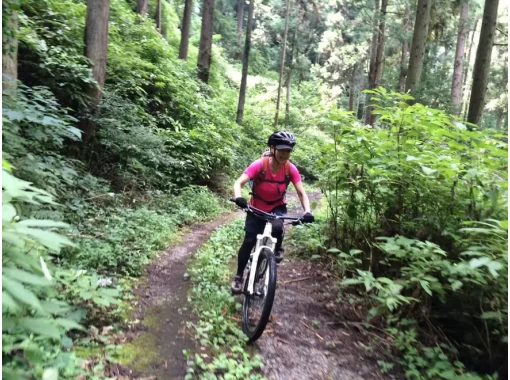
270,191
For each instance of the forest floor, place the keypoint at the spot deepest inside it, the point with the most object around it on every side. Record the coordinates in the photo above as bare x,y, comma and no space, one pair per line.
310,334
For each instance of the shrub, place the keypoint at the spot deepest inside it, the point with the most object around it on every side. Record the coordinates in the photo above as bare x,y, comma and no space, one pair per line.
417,210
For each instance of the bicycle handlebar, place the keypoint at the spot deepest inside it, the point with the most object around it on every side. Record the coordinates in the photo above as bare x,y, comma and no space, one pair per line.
268,216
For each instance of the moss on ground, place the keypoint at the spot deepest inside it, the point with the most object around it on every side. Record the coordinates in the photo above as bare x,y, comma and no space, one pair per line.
142,352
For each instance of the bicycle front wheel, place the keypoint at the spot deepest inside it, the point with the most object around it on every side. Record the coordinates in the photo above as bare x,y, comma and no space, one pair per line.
257,306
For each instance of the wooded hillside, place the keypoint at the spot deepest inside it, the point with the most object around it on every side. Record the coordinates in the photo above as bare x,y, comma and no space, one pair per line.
126,120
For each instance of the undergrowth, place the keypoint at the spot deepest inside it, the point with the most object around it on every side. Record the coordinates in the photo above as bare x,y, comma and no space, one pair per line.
64,293
417,222
217,328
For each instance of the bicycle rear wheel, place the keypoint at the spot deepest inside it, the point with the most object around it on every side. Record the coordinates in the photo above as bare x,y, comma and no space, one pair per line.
257,306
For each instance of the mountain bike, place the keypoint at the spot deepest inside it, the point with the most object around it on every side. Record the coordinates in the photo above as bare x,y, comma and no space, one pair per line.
260,285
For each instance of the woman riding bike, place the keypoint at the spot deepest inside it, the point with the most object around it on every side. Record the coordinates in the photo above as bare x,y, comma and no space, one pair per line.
271,176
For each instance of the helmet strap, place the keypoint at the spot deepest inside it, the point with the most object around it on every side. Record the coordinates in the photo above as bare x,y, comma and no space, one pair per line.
274,157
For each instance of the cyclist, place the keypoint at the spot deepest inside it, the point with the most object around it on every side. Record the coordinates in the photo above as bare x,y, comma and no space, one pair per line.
271,176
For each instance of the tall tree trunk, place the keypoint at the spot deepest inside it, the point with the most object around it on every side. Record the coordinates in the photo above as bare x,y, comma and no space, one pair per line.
10,51
499,119
458,67
373,58
468,60
289,79
373,46
483,61
358,76
357,102
380,45
246,58
142,6
240,17
352,88
282,62
287,104
158,16
204,50
96,49
378,64
467,90
186,23
421,28
405,50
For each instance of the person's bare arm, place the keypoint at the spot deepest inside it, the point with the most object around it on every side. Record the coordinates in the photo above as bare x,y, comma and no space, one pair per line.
305,202
241,181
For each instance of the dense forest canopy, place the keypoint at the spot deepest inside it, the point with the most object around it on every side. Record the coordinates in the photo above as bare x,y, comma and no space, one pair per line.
124,120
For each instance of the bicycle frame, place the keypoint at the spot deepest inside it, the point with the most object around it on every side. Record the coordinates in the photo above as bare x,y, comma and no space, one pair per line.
264,241
259,246
264,291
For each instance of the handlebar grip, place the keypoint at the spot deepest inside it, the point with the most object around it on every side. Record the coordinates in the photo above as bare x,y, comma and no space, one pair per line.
300,221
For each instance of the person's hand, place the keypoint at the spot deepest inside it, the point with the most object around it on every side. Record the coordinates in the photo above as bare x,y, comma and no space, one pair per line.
308,218
241,202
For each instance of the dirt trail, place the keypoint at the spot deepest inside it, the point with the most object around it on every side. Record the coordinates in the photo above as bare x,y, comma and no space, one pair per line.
159,338
303,339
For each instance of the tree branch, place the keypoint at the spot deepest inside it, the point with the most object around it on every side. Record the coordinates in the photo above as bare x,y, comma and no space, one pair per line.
503,33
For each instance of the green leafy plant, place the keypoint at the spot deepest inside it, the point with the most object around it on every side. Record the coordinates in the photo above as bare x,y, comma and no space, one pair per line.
34,322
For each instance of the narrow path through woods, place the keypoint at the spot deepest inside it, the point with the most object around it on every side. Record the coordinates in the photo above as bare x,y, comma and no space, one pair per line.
159,338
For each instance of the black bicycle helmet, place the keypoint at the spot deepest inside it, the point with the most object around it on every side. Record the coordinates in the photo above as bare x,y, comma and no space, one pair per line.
282,140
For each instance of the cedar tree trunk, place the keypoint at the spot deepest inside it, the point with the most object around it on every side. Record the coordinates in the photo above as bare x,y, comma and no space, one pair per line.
186,23
204,50
282,62
421,28
96,49
483,62
466,74
158,16
142,6
240,17
289,79
405,50
378,64
458,67
246,57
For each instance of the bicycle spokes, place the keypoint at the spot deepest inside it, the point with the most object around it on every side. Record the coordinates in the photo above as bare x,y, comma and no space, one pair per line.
257,306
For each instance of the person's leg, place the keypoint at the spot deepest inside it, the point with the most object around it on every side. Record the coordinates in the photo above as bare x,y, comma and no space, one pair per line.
279,232
252,226
244,252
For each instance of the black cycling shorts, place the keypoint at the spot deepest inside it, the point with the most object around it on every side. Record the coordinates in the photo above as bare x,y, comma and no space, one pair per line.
254,225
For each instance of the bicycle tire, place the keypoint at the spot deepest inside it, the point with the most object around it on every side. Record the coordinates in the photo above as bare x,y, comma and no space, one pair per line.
254,334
